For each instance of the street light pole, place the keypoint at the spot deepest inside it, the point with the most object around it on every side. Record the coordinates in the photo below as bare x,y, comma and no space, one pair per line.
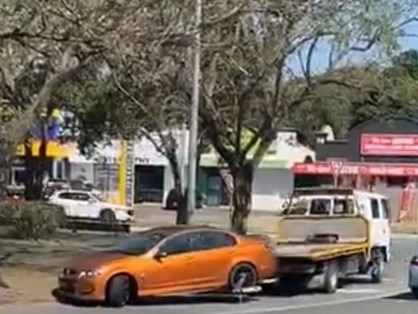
194,114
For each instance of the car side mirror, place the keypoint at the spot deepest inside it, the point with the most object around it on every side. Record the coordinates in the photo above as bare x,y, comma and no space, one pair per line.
160,255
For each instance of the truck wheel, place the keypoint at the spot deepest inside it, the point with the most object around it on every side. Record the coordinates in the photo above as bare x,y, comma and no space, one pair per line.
331,277
118,291
242,275
377,270
107,216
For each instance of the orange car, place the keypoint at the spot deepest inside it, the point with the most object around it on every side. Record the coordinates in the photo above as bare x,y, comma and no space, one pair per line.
169,260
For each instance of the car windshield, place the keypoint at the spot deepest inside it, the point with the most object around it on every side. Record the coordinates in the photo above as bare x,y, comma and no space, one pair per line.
138,244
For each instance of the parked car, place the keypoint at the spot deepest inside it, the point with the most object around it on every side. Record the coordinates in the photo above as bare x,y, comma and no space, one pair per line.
413,276
169,260
87,205
174,198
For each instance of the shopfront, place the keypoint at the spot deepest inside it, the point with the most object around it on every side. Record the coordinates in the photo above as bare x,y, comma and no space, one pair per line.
375,155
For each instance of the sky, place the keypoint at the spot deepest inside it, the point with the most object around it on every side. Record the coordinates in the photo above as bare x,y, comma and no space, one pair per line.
320,59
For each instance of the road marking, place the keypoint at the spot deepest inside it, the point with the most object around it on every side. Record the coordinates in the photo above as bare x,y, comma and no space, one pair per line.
261,310
361,290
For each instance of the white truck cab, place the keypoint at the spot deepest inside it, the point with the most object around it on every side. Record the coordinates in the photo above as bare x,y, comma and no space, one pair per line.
344,201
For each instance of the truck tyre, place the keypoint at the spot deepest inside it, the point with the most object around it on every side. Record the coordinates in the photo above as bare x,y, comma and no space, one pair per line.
107,216
331,277
376,273
242,275
118,291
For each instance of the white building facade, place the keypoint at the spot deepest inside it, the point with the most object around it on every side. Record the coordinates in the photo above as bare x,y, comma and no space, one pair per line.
273,179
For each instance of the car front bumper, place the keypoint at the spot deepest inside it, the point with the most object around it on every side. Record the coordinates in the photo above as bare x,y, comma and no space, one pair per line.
79,289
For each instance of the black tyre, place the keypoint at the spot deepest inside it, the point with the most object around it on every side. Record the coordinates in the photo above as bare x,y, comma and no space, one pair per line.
414,292
331,277
376,274
242,275
118,291
107,216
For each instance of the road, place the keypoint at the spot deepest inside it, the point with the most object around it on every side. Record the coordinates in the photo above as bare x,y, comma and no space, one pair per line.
389,297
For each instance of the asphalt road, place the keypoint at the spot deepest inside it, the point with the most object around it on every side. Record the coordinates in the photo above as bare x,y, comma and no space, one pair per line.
387,298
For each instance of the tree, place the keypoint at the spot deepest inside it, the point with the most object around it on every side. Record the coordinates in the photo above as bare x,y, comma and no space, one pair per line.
63,36
248,74
143,95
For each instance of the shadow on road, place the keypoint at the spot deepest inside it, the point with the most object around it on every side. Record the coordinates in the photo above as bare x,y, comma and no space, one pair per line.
404,296
153,301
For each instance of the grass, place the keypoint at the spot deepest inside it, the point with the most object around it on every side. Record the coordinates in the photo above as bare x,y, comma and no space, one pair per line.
31,271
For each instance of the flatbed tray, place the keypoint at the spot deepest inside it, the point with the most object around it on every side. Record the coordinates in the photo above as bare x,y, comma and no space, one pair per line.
318,251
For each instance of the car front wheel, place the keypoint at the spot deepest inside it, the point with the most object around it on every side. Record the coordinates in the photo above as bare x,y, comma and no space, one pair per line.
118,292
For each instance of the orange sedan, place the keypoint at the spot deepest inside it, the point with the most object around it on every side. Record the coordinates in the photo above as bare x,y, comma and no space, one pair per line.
169,260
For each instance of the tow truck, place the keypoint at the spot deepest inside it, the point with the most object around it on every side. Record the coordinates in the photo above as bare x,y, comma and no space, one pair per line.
326,235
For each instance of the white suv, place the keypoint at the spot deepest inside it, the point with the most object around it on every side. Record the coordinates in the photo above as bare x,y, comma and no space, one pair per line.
86,205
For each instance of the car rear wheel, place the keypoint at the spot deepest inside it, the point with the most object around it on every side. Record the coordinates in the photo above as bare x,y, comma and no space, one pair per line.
107,216
242,275
118,292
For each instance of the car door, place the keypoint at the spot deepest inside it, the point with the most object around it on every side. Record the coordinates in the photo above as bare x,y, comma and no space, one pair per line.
87,205
66,200
213,257
170,274
81,204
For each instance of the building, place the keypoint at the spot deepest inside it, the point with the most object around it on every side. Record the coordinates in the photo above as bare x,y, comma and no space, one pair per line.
378,154
56,151
273,180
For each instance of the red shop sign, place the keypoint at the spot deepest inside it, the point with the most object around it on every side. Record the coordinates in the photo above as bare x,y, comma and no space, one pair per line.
372,169
389,144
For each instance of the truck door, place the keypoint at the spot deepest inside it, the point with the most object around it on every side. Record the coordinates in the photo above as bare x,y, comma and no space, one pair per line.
379,232
385,214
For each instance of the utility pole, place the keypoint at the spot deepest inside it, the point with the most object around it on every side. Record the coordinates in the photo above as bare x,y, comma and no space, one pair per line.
194,114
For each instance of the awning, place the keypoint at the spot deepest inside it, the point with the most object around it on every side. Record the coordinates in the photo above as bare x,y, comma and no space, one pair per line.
353,168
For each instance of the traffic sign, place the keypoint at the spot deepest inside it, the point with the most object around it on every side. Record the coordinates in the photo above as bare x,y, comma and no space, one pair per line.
337,165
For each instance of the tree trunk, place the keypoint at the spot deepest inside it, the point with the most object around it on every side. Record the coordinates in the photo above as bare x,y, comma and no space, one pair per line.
29,161
241,197
6,159
182,214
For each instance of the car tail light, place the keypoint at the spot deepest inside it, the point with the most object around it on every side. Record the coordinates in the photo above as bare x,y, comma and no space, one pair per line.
414,260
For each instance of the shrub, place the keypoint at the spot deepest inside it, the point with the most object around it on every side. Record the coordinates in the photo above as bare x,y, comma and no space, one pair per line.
31,220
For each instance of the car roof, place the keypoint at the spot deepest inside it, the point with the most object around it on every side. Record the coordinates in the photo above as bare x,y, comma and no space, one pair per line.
173,229
72,191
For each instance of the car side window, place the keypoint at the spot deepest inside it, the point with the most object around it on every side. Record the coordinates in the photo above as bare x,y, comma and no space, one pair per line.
81,196
375,208
179,244
209,240
66,196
